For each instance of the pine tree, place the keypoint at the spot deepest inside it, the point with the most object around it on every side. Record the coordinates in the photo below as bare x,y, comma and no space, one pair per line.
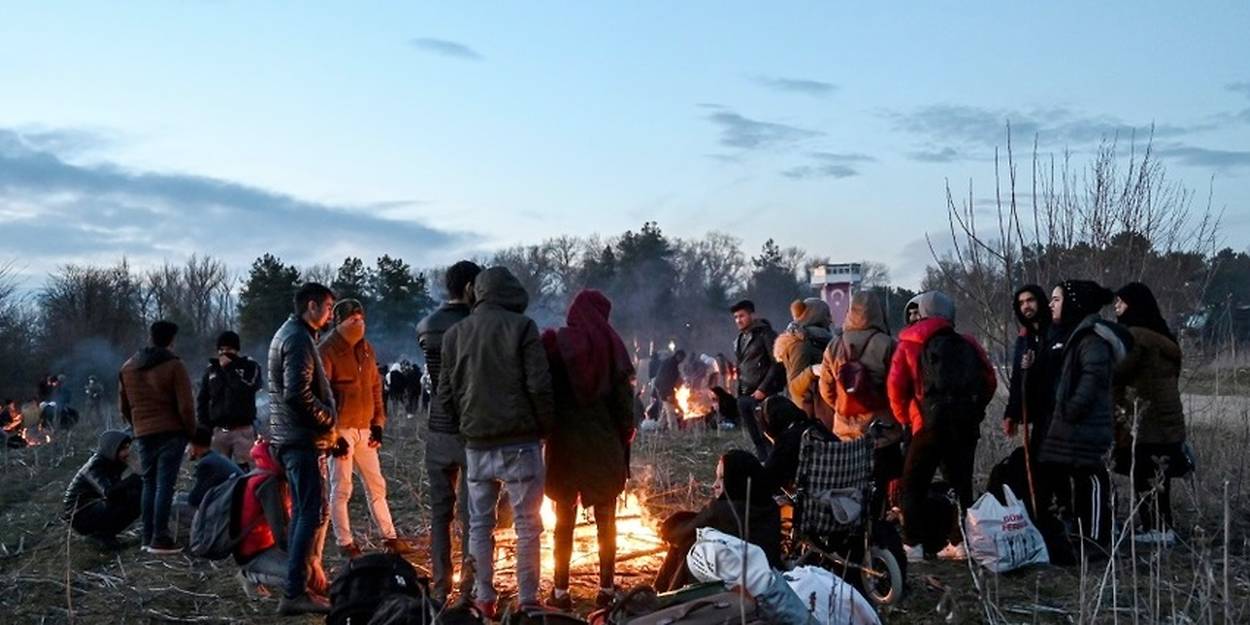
265,300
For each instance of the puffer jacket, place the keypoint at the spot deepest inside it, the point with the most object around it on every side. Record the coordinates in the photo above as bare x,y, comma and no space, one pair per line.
301,404
866,338
227,397
757,370
495,378
430,333
1081,429
353,374
265,506
96,479
155,395
801,348
1147,388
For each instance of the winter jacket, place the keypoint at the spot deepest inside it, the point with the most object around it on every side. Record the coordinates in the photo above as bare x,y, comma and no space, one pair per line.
495,378
727,516
155,394
1081,427
301,405
798,350
353,374
96,479
782,464
864,336
211,469
668,379
1031,388
904,384
1146,388
265,507
587,452
430,336
227,397
757,370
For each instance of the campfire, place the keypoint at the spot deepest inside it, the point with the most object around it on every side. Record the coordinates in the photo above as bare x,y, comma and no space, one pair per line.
639,548
694,403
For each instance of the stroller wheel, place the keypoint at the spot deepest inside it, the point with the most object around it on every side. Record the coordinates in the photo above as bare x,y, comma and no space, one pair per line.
881,578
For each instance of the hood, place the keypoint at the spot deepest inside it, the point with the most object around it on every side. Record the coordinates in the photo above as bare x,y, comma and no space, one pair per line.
1082,298
934,304
866,312
1116,335
151,357
498,287
779,414
920,331
110,442
1043,309
785,341
263,459
815,314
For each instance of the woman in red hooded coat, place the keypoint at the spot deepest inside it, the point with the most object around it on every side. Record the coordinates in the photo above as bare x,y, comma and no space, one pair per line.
587,457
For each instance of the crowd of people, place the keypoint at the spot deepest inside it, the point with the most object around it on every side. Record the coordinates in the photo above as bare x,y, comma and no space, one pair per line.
531,414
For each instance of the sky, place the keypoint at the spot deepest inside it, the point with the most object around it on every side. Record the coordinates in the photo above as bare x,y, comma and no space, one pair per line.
157,129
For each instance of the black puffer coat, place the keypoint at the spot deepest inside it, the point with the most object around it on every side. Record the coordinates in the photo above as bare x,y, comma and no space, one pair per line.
1082,426
95,479
430,336
301,403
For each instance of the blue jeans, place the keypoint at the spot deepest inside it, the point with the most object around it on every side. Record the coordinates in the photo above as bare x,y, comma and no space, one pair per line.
308,512
160,457
519,468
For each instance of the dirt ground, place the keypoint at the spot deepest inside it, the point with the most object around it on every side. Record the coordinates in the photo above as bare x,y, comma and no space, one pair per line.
50,576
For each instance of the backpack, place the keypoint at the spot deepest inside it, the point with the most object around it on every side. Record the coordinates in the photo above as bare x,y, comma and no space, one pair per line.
358,592
719,609
857,393
953,383
215,532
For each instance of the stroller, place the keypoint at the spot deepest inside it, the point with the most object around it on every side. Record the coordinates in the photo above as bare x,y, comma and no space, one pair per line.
832,525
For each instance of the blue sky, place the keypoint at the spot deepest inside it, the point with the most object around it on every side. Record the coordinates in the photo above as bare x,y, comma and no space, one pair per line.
157,129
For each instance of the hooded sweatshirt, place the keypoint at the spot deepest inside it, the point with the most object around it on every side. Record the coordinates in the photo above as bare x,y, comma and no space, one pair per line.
1035,397
865,338
798,349
905,384
495,377
155,393
97,477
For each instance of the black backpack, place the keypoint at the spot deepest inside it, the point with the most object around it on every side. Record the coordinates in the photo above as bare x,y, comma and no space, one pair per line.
215,531
953,379
366,582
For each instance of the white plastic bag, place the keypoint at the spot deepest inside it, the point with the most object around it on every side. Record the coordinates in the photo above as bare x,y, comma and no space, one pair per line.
829,598
1000,537
719,557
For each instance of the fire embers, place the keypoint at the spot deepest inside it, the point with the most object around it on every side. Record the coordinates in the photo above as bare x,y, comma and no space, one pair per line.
694,403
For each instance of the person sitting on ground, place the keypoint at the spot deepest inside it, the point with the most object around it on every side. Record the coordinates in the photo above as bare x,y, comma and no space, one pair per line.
265,514
800,348
1153,408
100,503
741,492
784,425
211,467
590,372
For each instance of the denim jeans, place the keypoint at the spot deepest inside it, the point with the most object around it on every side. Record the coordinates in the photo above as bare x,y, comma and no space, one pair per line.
160,457
519,468
303,473
445,464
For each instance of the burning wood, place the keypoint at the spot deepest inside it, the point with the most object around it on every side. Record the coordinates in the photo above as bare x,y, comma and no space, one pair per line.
693,403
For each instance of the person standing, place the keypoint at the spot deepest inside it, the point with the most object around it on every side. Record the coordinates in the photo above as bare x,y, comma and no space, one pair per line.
1147,391
226,404
94,392
939,385
667,381
800,348
758,373
495,379
302,415
352,369
1072,450
587,454
155,399
444,446
1029,395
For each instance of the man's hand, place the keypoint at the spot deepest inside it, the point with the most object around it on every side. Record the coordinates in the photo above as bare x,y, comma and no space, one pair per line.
1026,360
1009,428
375,436
758,395
340,448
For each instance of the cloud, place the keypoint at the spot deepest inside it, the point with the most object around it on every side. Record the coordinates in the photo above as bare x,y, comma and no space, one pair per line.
802,86
64,212
1239,87
1203,157
444,47
828,165
945,155
745,133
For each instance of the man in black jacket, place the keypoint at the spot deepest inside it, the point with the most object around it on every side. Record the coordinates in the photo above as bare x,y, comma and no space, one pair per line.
759,375
1030,395
99,502
226,404
495,378
301,426
444,447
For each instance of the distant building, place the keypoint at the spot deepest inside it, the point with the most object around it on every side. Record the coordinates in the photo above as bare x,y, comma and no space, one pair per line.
836,283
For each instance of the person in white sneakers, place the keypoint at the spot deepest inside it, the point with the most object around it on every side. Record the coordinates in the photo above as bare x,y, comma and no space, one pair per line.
352,369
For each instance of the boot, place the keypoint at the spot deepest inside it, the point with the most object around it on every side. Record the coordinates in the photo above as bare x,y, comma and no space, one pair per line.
303,604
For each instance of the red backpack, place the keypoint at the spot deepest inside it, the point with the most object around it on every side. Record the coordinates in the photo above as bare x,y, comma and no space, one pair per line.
857,394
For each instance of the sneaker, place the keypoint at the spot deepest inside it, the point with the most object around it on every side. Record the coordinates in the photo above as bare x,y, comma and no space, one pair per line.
953,552
915,553
398,546
1156,537
605,599
563,603
249,589
303,604
162,547
350,551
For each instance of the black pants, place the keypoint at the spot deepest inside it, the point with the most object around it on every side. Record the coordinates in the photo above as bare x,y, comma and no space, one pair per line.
1150,481
1080,497
929,449
605,527
106,518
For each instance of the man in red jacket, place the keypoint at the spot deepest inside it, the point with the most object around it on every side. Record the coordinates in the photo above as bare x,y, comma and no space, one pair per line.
939,385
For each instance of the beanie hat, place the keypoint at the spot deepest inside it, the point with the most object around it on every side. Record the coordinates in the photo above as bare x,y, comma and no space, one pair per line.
228,339
1082,298
345,308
